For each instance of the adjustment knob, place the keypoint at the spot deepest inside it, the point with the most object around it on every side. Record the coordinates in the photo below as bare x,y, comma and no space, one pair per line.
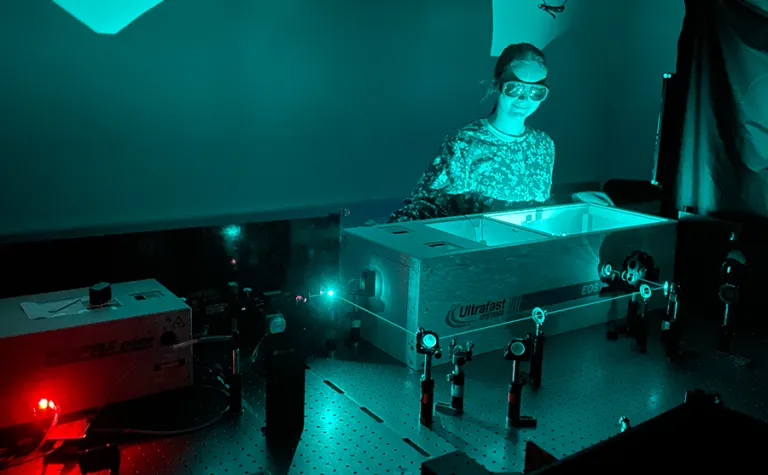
100,294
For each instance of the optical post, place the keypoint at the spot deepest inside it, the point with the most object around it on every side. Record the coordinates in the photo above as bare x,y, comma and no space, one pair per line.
518,351
460,355
427,344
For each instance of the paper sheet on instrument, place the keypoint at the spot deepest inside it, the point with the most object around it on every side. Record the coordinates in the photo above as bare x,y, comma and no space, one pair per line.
60,308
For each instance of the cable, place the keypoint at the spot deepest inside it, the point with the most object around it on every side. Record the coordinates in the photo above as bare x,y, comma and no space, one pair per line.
35,454
168,433
29,457
163,433
207,339
116,385
552,9
255,354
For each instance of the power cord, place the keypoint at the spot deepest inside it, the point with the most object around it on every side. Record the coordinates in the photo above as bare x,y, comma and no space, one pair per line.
552,9
45,448
255,355
39,451
62,451
168,433
38,454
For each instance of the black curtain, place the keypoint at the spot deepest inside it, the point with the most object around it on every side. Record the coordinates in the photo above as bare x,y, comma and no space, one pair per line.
714,158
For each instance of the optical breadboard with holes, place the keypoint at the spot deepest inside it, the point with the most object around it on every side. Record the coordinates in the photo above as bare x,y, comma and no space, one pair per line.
486,275
362,411
83,356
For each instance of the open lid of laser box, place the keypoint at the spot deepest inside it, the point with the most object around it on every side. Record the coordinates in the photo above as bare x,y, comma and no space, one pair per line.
440,237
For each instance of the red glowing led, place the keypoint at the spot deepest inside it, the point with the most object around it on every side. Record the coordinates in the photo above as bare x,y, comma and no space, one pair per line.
234,262
44,404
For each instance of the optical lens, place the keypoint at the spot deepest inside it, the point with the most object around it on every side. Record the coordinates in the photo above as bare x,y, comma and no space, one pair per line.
429,340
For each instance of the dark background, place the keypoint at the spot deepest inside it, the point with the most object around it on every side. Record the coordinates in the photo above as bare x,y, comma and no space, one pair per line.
297,256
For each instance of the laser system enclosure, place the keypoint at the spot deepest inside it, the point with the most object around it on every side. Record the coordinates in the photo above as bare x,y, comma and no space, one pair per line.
477,272
55,346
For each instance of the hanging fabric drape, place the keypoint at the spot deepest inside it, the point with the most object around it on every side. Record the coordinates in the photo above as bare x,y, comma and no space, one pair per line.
716,138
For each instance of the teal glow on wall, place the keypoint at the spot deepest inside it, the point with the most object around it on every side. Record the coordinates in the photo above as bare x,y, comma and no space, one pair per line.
526,22
196,110
106,17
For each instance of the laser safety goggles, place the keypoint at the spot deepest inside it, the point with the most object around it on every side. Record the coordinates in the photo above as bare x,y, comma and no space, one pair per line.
534,92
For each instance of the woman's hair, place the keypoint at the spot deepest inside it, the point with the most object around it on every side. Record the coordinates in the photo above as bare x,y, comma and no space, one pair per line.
519,52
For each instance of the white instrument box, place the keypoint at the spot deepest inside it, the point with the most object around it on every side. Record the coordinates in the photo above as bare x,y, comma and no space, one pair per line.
477,273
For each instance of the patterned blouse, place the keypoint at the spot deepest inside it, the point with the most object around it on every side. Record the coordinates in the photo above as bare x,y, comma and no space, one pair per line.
479,169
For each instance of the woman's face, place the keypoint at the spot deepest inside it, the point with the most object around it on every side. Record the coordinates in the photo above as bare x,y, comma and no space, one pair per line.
520,98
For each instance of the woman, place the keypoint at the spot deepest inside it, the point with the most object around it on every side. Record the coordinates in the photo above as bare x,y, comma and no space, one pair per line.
497,162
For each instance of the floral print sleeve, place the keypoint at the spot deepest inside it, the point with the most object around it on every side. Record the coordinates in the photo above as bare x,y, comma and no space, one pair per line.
480,170
445,178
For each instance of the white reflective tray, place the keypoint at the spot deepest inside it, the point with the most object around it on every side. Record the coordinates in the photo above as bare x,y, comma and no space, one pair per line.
575,219
486,231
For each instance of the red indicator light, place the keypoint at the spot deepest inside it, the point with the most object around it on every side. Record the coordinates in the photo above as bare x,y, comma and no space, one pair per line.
45,404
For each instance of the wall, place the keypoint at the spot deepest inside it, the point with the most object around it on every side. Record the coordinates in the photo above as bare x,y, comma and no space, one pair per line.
606,73
206,107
